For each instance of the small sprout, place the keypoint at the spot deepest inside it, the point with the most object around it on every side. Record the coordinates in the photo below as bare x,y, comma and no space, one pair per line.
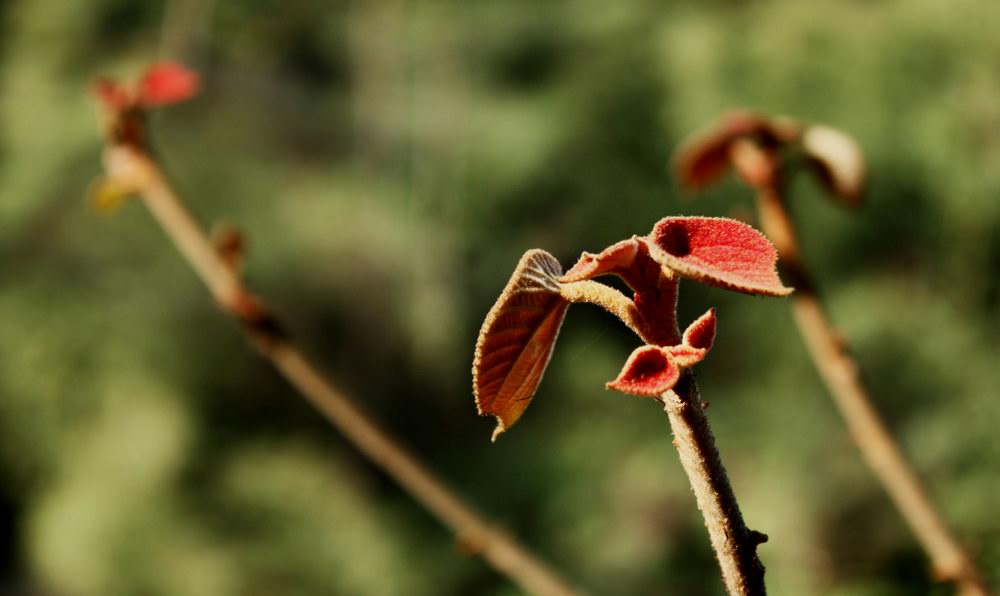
125,108
518,336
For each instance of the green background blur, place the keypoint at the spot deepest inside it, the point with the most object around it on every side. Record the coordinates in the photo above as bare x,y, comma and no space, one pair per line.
390,161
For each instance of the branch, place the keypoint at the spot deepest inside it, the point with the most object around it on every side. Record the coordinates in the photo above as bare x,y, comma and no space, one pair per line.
735,545
130,161
879,449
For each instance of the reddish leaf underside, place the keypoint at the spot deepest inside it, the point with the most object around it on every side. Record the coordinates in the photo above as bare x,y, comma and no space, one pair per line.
167,83
517,338
650,371
717,251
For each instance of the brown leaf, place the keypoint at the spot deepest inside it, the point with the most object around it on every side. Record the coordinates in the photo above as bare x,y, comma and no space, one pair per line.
516,340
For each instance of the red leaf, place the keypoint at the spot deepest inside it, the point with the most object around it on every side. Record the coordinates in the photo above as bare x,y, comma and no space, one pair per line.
167,83
649,372
719,252
516,340
617,257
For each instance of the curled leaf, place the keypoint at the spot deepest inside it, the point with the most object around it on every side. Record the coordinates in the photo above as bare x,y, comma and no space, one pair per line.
719,252
516,340
617,257
838,161
701,333
650,371
167,83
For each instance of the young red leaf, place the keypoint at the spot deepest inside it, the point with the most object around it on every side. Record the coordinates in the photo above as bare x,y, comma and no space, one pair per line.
719,252
701,333
650,371
167,83
617,257
516,340
838,160
698,338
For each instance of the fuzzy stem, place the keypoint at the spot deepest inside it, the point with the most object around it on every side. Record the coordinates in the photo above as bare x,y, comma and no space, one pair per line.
838,370
505,554
735,545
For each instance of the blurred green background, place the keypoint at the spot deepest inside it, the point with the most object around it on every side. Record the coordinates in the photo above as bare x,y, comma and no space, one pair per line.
389,162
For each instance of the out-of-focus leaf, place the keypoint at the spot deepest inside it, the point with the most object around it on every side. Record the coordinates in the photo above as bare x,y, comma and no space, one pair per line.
106,195
838,160
719,252
706,155
167,83
650,371
516,340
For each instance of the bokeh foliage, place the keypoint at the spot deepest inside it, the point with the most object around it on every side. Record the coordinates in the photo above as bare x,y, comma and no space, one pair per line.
390,161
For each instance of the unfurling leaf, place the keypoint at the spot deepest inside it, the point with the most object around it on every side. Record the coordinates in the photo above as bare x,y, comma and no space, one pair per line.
650,371
167,83
838,161
516,340
717,251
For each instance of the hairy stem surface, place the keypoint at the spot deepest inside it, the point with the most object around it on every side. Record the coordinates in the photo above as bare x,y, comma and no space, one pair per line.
735,545
879,449
478,536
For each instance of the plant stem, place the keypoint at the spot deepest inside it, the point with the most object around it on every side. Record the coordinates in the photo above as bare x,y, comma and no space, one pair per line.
475,534
735,545
879,449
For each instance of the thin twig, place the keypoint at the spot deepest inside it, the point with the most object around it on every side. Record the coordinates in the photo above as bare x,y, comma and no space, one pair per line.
734,543
829,353
474,533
